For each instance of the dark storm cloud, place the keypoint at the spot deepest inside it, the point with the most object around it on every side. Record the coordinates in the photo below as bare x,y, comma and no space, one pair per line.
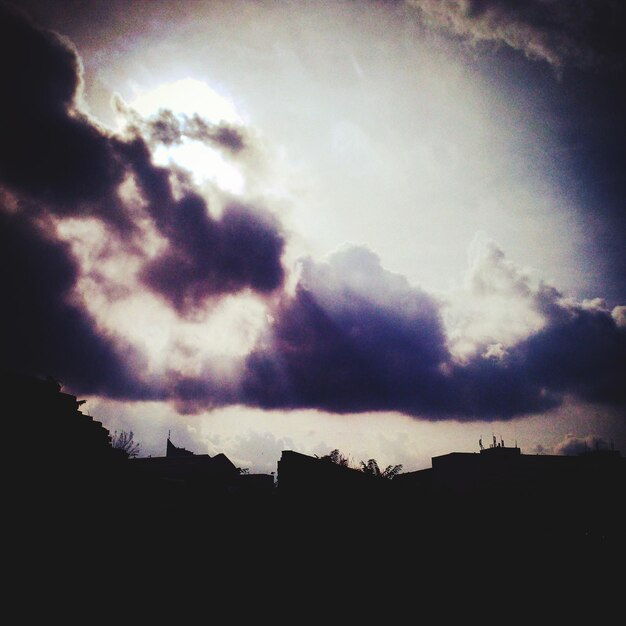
581,33
205,257
581,351
42,332
208,257
56,156
49,151
191,395
490,389
356,338
56,161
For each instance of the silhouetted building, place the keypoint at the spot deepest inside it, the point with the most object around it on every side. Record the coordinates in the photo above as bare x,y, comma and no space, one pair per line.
181,471
303,475
499,470
50,421
172,450
59,459
506,495
182,477
463,501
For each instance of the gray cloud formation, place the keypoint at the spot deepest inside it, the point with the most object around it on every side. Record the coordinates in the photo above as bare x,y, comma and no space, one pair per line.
169,129
582,33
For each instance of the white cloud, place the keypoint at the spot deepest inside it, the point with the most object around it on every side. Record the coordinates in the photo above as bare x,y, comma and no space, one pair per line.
495,308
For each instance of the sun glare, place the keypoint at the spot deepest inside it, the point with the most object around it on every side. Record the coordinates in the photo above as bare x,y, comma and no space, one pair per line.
204,163
186,98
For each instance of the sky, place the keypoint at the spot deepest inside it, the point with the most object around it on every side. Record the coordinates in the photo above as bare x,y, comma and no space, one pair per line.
392,228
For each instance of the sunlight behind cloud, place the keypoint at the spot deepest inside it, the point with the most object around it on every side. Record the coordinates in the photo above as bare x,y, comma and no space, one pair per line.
109,288
203,162
186,98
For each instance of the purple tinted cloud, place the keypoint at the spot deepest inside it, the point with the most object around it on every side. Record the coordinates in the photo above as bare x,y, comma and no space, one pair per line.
56,161
581,351
42,332
204,257
58,158
208,257
50,152
357,338
352,337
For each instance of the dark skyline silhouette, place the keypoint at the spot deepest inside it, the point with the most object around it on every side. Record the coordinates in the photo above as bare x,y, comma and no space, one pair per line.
179,521
71,467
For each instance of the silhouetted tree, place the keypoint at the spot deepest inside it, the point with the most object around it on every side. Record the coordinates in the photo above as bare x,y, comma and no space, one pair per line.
334,456
371,467
124,441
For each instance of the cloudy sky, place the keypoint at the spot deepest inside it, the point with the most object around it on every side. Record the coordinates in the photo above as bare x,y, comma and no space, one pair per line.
386,227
